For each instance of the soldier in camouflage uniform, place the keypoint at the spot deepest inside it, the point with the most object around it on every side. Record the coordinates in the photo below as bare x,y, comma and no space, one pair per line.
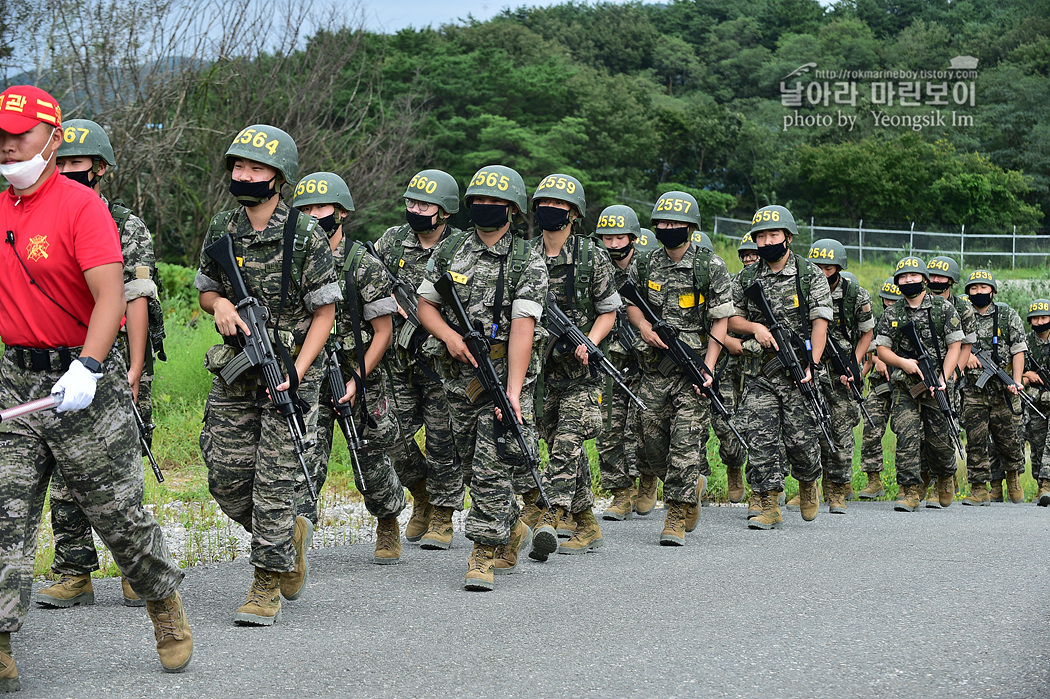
62,239
367,325
688,286
995,410
246,445
878,403
582,283
619,230
434,478
502,283
921,428
773,409
85,156
852,328
1038,365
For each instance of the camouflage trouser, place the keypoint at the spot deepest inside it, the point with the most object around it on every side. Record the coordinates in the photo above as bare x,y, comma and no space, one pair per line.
872,458
838,462
781,432
571,416
382,491
1037,434
252,465
98,451
420,402
616,443
74,546
990,424
671,433
922,437
493,508
730,450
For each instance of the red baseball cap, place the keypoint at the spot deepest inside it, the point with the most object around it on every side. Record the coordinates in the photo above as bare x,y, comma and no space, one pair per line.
24,106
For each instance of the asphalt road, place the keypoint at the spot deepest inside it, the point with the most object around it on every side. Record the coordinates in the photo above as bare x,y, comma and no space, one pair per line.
951,603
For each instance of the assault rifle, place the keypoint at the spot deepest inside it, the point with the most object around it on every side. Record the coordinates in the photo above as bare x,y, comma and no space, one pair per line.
993,370
1041,371
258,351
485,372
344,412
405,295
847,367
144,432
683,356
931,381
789,345
561,326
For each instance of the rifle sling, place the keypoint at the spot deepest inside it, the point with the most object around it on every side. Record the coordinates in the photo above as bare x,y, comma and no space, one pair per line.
359,348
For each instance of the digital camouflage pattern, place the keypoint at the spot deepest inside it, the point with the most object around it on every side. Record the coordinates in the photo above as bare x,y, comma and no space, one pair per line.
616,443
418,400
967,318
772,409
877,402
571,395
991,412
922,430
252,466
488,474
98,451
1036,429
674,431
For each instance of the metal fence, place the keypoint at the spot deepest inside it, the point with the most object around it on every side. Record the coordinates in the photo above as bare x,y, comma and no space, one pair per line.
971,249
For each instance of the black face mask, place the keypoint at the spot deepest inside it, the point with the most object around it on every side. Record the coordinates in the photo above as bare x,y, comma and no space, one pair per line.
551,218
1041,328
489,216
620,254
83,177
420,223
327,223
672,238
938,287
772,253
252,193
834,278
911,290
980,300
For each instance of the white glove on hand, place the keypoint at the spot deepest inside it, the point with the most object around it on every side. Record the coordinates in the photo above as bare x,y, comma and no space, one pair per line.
77,386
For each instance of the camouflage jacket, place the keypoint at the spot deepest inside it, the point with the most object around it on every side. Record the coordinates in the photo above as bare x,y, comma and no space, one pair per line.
622,356
948,331
1011,338
862,322
139,260
1040,350
967,317
372,295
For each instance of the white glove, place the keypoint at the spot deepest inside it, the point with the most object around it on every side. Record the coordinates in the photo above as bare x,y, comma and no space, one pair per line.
77,386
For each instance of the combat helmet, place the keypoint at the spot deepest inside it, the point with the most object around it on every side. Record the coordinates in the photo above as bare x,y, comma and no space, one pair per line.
86,138
828,251
500,182
770,217
268,145
563,188
676,206
435,187
618,219
323,188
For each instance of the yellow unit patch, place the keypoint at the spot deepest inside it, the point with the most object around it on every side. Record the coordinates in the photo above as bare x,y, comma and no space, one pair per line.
240,261
794,300
686,301
400,263
654,286
458,278
142,273
893,324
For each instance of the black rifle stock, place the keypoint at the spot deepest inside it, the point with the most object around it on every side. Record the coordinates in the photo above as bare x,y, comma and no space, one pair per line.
258,350
683,356
561,326
405,295
344,413
931,374
992,370
847,367
1040,370
788,346
144,432
490,382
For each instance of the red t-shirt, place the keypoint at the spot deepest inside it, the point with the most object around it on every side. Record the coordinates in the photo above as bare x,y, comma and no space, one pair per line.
60,230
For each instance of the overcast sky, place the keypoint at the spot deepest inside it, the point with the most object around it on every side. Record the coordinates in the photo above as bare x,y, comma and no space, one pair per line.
391,15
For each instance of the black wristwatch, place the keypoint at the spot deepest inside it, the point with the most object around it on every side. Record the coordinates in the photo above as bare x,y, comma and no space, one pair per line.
91,364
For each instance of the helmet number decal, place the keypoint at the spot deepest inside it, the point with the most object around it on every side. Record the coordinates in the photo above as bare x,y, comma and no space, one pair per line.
257,139
1039,306
765,215
311,186
423,184
491,179
908,262
821,254
70,134
674,204
938,264
561,183
612,222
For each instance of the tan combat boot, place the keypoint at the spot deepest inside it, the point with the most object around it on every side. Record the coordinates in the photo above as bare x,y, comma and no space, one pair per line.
793,505
754,505
908,498
809,500
479,568
566,525
692,512
837,498
622,505
978,496
1042,498
1013,487
545,540
422,511
646,500
439,534
69,591
587,537
172,631
131,599
8,670
531,513
263,607
505,557
995,490
388,541
945,490
674,524
769,517
873,490
293,582
735,483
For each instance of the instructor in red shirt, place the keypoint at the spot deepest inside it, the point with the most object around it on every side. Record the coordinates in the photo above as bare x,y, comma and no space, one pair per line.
61,304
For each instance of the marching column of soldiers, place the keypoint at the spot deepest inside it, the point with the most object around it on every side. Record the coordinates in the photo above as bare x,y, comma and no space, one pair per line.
444,356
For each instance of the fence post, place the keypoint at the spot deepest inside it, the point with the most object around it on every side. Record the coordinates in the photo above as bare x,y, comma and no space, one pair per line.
1013,256
860,241
715,231
962,248
911,239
